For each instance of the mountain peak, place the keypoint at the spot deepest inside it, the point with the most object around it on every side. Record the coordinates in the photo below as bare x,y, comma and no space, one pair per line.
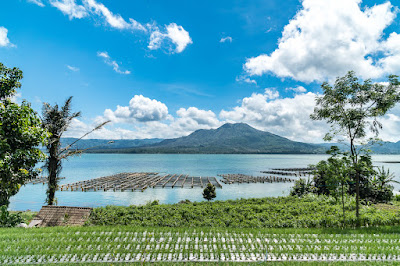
231,138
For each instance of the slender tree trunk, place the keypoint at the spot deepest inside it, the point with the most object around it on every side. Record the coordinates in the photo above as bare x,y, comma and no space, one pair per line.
344,214
354,158
358,198
52,169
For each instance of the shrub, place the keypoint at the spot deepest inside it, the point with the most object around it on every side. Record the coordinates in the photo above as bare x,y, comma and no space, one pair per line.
8,219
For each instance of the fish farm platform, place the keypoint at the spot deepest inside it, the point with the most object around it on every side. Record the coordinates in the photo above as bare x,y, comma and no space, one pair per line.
140,182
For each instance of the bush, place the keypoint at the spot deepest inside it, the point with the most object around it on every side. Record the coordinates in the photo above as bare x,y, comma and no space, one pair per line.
308,211
301,187
8,219
397,197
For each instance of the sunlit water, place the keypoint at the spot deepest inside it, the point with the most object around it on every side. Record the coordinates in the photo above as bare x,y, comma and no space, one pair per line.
90,166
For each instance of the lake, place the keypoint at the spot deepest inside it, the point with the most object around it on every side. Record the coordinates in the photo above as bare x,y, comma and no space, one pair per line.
90,166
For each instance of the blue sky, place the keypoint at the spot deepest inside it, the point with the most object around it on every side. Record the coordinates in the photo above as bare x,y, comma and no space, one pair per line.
166,68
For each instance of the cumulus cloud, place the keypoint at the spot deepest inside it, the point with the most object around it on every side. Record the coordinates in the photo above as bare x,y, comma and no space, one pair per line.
113,20
246,80
298,89
287,117
140,109
226,39
172,34
113,63
70,8
327,38
174,37
36,2
4,41
72,68
149,118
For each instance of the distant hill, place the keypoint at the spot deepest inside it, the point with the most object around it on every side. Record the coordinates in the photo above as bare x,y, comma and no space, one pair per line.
103,145
384,147
229,138
237,138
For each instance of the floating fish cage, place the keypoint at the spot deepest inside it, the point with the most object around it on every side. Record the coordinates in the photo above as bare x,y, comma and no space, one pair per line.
140,182
241,178
290,171
40,180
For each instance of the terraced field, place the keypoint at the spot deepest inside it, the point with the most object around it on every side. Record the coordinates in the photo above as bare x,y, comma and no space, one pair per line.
131,244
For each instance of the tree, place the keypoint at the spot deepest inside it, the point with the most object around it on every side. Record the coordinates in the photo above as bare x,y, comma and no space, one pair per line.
56,121
209,192
20,135
352,110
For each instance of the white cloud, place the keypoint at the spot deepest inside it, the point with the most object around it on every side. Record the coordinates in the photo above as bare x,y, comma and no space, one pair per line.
226,39
298,89
246,80
286,117
140,109
193,118
72,68
4,41
114,20
328,38
174,34
174,37
113,63
178,36
36,2
70,8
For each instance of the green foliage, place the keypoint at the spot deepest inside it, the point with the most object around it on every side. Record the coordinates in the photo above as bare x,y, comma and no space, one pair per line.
351,108
131,245
333,178
209,192
8,219
280,212
397,197
56,121
20,135
302,187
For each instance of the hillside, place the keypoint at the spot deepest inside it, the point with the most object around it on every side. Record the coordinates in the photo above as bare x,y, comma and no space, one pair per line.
229,138
107,144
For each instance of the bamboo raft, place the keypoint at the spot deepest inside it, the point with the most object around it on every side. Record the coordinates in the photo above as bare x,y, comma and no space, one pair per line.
290,171
241,178
40,179
140,182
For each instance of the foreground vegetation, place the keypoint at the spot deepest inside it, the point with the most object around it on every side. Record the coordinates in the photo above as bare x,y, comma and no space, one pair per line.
132,244
309,211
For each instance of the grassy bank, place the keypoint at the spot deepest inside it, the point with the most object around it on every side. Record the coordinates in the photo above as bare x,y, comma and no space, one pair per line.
133,244
280,212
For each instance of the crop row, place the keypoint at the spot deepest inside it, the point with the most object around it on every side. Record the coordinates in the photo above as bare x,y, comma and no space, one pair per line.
115,244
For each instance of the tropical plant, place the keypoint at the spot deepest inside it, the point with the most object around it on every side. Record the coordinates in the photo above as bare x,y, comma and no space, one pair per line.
302,187
20,135
351,108
8,219
384,178
56,121
209,192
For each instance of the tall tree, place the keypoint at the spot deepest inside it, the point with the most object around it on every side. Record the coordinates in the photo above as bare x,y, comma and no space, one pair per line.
56,121
352,109
20,135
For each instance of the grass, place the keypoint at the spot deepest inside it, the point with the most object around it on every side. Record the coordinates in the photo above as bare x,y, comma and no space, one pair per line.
281,212
113,244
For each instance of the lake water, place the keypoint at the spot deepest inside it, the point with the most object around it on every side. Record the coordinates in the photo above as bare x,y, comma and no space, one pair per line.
90,166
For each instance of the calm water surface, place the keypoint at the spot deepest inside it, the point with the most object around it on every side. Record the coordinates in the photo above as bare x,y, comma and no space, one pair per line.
96,165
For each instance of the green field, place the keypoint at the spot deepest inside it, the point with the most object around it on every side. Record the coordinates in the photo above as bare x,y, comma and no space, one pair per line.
133,244
281,212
